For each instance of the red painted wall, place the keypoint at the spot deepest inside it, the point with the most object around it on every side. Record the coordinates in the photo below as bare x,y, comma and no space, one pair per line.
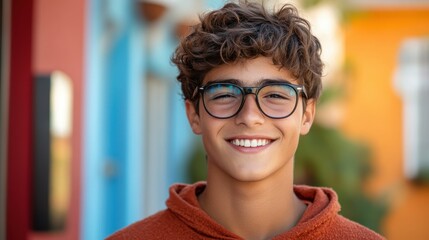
59,45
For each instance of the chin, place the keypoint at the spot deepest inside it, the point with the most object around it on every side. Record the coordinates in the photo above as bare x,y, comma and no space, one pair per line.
261,173
254,176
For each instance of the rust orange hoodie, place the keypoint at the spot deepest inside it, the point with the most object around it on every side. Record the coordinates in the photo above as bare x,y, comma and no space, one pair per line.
184,219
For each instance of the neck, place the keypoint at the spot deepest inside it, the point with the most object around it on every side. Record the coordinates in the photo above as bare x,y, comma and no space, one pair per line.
253,210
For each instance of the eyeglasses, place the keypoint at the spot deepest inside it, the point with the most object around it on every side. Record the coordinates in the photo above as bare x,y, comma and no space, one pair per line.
275,100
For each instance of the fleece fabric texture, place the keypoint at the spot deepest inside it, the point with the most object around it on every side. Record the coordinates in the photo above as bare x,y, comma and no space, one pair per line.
184,219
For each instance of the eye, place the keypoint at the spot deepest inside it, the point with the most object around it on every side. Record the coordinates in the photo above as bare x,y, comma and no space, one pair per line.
222,95
276,96
222,92
278,92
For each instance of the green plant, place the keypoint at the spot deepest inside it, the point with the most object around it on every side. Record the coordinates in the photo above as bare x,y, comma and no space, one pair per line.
325,157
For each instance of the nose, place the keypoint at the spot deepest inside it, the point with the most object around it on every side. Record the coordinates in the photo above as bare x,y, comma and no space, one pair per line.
250,114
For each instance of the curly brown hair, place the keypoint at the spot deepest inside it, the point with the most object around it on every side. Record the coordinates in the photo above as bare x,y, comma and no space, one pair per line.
247,30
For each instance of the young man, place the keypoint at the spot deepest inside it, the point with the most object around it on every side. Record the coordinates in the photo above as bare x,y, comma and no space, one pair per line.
251,79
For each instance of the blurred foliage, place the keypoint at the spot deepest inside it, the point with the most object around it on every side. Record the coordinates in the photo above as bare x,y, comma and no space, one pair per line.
422,176
306,4
330,94
197,168
347,12
325,157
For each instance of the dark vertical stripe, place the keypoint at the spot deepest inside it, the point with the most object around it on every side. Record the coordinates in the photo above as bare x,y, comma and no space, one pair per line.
42,156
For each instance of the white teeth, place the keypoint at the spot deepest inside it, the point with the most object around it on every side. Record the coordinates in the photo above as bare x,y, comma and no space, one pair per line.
250,142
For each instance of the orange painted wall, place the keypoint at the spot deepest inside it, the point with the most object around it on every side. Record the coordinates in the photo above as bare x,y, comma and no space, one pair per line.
373,111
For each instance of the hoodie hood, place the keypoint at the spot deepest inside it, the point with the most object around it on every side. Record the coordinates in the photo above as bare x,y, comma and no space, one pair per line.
322,208
184,219
184,204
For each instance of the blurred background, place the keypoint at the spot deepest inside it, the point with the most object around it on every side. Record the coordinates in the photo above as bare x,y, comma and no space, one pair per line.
93,129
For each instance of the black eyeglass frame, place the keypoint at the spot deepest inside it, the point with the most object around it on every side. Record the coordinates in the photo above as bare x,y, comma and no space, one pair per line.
253,90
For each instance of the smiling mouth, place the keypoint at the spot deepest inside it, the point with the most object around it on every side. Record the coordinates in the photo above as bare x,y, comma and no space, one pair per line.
250,143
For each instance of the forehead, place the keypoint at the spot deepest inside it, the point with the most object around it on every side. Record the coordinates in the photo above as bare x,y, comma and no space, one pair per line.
249,72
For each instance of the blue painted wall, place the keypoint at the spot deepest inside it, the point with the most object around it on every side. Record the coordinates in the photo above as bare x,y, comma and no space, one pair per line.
113,120
118,62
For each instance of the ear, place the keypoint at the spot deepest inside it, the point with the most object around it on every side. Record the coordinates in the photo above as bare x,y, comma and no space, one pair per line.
308,116
193,117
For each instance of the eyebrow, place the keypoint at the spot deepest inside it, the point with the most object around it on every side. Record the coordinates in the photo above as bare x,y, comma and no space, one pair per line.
241,82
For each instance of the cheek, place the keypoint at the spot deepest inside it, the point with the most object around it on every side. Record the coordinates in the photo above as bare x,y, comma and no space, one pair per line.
210,138
211,127
290,126
291,132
